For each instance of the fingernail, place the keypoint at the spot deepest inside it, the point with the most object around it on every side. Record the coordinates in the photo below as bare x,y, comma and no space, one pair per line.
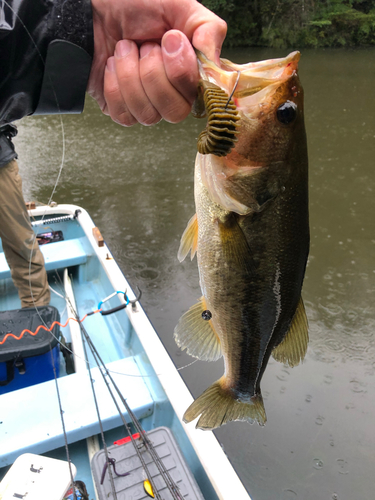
123,48
111,65
145,49
172,43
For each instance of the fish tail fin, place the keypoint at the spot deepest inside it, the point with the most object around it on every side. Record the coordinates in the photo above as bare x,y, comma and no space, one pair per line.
217,406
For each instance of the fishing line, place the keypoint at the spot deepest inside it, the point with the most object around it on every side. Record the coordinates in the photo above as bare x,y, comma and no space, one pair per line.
49,201
57,293
104,371
186,366
101,365
63,426
62,162
172,487
100,424
64,296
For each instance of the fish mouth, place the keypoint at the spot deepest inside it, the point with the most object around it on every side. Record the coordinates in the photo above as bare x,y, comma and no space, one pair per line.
232,91
244,80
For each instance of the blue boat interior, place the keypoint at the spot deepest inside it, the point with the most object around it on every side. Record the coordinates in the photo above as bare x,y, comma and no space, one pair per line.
27,421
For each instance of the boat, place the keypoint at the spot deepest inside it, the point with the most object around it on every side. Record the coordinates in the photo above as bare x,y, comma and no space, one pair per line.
50,418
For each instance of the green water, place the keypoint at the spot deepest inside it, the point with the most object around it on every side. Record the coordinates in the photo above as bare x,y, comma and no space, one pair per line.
137,184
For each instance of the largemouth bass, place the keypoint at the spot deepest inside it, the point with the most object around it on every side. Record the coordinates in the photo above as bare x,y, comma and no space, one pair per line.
250,233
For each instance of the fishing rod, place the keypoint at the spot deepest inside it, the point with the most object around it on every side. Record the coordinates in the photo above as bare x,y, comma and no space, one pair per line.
105,448
126,425
171,485
100,364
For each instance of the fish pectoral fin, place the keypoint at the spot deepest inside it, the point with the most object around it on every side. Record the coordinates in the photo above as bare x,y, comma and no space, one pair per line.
293,347
197,335
235,246
189,239
217,406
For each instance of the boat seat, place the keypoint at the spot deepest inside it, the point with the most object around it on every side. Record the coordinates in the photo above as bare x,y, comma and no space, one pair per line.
57,255
39,410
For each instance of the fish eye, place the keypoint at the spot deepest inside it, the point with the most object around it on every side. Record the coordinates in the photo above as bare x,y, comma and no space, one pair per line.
287,112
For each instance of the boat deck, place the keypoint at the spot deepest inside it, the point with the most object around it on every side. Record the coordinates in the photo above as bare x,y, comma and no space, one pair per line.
36,426
128,345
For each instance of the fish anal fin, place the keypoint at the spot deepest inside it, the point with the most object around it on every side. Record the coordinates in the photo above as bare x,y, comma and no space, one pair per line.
217,406
293,347
196,335
189,239
235,246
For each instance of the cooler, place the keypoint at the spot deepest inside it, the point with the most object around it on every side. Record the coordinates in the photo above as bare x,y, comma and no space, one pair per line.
27,361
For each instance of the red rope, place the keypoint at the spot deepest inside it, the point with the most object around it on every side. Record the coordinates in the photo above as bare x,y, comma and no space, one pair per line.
42,326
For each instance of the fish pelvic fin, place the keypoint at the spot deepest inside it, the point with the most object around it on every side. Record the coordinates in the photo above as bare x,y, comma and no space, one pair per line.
189,239
197,335
217,406
292,349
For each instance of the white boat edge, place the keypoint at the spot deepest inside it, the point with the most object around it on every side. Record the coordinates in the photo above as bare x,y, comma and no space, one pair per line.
216,464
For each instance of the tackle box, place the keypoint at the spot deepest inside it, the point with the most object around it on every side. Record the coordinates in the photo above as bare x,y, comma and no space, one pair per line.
27,360
127,461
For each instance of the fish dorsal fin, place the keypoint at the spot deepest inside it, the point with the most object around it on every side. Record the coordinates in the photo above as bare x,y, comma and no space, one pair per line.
197,335
293,347
189,239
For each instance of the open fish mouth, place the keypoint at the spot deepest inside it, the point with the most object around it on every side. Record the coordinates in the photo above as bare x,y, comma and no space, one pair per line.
232,91
247,79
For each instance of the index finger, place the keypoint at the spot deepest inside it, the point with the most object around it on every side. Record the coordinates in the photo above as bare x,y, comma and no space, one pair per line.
209,38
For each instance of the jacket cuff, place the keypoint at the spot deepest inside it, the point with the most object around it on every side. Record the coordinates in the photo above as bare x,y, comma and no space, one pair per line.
68,60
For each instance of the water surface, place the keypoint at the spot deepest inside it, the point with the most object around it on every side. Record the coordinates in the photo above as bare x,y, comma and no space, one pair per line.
137,184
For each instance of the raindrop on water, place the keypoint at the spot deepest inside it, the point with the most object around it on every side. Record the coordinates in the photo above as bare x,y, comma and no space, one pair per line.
357,386
328,379
335,496
318,464
308,398
149,274
319,420
343,466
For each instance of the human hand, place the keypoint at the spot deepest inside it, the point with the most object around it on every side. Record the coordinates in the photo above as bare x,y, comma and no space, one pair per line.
145,67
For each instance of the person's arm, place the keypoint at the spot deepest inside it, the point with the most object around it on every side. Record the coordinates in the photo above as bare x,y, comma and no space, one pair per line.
46,51
144,50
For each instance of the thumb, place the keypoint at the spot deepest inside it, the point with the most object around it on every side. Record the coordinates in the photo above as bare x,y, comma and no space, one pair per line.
180,63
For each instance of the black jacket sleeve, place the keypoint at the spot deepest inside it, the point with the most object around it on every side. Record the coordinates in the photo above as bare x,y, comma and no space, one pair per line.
46,50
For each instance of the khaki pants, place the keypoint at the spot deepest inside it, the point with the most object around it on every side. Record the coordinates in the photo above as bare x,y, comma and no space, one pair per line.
20,246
